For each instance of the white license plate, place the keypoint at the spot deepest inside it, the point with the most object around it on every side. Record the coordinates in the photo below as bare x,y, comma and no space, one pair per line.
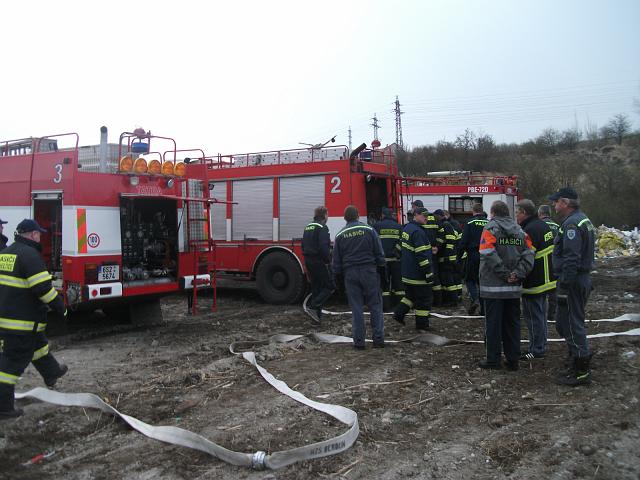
107,273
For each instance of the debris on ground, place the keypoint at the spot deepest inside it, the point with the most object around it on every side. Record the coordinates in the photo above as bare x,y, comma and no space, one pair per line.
611,242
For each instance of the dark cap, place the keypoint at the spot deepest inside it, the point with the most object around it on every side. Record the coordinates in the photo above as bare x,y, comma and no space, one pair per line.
417,203
2,222
439,212
564,192
28,225
420,211
387,212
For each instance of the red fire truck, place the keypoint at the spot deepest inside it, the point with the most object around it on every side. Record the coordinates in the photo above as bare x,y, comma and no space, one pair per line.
271,197
457,191
124,224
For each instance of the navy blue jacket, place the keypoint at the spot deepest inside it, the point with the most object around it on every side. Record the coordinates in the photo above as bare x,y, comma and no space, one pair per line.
356,244
389,231
25,289
469,243
447,252
574,248
416,255
541,279
316,242
552,225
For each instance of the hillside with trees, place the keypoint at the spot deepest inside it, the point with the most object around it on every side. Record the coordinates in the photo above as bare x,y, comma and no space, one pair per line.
603,164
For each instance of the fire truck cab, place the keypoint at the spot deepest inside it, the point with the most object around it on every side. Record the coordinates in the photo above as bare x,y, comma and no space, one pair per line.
118,227
271,197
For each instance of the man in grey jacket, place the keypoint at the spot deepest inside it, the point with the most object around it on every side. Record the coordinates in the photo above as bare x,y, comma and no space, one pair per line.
506,258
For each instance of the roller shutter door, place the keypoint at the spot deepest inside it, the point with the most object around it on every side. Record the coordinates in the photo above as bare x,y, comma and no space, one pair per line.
299,196
253,213
219,210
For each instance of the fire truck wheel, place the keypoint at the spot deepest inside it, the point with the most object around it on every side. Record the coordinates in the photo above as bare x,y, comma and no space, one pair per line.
280,279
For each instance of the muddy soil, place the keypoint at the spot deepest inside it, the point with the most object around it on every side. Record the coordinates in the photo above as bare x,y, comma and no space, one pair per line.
424,411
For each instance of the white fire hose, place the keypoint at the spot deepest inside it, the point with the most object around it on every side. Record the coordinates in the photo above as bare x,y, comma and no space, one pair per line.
260,459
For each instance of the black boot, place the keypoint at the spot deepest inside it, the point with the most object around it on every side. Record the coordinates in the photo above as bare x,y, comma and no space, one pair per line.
51,381
437,298
580,375
386,304
7,410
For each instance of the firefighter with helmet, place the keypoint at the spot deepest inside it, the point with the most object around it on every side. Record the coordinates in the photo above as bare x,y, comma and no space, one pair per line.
26,293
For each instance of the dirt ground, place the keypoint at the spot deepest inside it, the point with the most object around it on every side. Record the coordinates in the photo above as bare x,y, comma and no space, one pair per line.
424,411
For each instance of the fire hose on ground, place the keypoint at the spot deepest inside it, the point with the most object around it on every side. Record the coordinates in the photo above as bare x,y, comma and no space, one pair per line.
260,459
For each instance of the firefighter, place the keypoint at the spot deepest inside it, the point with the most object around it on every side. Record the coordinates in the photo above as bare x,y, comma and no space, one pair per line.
25,294
357,254
417,277
448,261
573,260
544,214
316,249
539,282
391,277
469,244
3,238
456,224
435,235
506,259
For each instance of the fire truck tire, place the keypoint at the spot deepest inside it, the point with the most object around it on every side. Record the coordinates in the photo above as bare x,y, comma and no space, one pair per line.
280,279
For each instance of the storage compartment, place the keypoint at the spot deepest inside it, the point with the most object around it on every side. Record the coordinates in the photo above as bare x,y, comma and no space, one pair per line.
149,240
47,211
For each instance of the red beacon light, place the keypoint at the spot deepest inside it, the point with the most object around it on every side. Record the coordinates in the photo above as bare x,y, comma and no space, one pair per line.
376,143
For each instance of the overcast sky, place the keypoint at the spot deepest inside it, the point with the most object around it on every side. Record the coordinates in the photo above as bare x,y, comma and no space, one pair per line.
240,76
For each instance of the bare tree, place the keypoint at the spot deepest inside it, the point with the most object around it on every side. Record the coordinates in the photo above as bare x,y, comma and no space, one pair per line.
570,138
617,128
548,140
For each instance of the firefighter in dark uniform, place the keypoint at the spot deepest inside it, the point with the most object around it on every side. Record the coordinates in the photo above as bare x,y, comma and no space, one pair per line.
416,261
3,238
448,262
316,245
26,293
540,280
544,214
470,244
573,260
435,235
456,224
390,277
357,255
